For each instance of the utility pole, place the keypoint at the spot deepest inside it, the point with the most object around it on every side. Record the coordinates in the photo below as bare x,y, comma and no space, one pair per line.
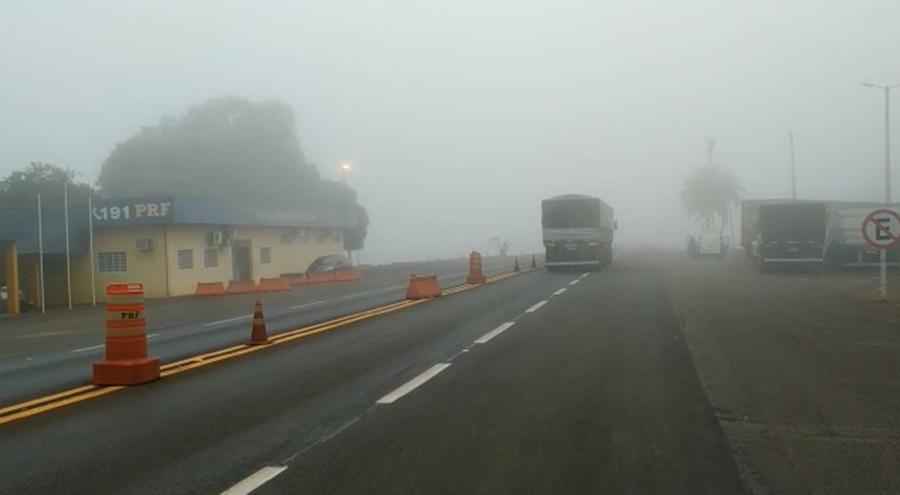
793,167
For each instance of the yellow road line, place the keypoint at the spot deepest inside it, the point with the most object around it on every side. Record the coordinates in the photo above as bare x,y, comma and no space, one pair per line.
49,398
59,404
83,393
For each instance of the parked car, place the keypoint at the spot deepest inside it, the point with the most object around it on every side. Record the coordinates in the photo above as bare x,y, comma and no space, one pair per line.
330,263
23,301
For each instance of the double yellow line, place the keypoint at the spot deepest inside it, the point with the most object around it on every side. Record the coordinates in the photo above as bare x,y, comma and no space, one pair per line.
80,394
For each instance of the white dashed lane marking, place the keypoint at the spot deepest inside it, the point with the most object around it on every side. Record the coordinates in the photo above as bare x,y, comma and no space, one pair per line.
413,384
536,307
493,333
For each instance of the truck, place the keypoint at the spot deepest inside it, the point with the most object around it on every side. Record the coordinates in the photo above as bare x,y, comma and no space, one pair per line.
577,232
792,234
844,244
750,221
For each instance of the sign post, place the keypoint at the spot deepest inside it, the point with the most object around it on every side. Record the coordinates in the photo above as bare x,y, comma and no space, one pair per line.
881,230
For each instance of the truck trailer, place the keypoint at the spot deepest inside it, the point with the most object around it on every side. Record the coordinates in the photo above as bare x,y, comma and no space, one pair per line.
844,244
792,234
578,232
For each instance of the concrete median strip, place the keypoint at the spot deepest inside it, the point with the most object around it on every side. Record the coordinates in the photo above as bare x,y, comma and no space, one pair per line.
56,401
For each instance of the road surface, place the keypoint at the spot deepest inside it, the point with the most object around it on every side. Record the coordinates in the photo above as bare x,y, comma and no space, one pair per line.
41,354
658,375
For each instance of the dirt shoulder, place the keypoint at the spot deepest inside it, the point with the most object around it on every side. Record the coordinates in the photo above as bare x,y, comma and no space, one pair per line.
802,370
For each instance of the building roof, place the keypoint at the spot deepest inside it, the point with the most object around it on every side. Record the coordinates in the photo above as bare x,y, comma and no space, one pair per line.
19,222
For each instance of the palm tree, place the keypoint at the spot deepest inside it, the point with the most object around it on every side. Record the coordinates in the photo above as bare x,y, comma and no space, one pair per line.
708,193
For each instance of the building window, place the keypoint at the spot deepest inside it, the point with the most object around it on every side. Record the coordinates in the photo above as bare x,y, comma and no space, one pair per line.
112,262
210,258
185,259
265,255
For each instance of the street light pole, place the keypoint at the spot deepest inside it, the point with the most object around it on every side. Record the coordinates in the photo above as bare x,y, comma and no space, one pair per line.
887,172
887,137
344,168
887,143
793,167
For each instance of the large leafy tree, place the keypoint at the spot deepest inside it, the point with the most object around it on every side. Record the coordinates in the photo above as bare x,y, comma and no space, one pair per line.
355,239
709,192
44,178
226,148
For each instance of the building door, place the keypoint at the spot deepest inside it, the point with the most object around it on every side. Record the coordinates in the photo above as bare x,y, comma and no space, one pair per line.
241,260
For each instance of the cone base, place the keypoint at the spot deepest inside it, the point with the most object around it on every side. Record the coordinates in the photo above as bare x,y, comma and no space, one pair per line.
126,371
476,280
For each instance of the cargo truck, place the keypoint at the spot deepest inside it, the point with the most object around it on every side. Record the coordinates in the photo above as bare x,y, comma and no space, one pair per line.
844,244
577,231
791,234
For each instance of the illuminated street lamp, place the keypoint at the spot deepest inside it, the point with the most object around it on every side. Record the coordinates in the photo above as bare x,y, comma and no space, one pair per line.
344,168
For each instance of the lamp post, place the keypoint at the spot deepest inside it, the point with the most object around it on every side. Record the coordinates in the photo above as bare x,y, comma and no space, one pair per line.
887,137
887,171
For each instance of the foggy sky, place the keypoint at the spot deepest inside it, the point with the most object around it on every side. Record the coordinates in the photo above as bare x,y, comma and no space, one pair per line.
458,117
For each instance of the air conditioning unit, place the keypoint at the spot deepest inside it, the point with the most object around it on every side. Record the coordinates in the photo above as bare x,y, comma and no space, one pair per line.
143,245
214,238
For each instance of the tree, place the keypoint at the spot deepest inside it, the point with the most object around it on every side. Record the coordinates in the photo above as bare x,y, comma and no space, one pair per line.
44,178
227,148
708,193
355,239
501,245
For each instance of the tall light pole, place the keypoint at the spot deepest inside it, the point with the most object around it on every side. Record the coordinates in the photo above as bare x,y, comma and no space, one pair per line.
887,171
344,169
887,137
793,167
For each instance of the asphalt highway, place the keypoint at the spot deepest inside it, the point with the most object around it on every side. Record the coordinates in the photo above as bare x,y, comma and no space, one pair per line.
541,383
657,375
40,354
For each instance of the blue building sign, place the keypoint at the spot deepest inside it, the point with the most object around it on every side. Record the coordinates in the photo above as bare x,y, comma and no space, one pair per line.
133,211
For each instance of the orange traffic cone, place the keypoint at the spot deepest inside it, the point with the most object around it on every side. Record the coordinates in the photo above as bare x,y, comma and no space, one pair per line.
258,335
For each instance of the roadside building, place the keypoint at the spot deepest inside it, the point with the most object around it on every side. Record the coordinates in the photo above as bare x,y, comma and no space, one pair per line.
168,244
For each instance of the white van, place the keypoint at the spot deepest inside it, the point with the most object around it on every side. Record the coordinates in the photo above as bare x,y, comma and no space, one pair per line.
710,245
